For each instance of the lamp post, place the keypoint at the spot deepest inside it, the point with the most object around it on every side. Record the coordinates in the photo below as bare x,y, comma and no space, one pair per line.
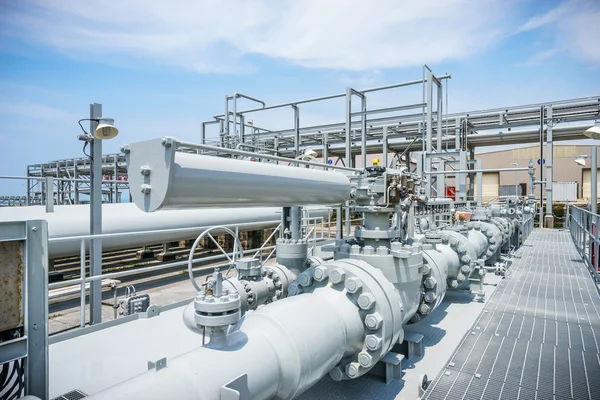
594,133
102,129
516,178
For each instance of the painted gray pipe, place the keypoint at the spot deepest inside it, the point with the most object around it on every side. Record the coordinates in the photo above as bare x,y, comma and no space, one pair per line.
162,178
73,220
283,349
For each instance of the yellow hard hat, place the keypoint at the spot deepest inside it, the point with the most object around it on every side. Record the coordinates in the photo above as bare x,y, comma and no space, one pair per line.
376,162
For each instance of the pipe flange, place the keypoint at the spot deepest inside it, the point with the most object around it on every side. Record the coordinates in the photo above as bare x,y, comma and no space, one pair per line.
378,304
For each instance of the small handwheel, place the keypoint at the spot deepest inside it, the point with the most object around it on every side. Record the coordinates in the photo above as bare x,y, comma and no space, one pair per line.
237,251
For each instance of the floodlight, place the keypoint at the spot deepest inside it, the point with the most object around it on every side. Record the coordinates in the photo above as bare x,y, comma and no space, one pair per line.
593,132
580,161
106,130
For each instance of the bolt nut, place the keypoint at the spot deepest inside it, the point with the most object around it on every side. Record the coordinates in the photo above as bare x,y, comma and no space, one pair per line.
353,284
304,279
293,290
338,275
465,259
492,240
454,242
336,374
373,321
429,297
461,249
425,269
461,278
353,370
424,309
146,189
445,239
465,269
453,284
489,234
145,170
366,301
365,359
278,285
373,342
430,283
321,273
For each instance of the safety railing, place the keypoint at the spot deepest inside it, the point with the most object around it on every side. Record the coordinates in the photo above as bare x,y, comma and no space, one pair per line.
585,235
84,280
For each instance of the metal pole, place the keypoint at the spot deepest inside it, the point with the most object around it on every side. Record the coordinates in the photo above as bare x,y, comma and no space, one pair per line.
116,181
549,163
429,130
363,130
516,178
235,130
82,292
479,179
296,130
226,126
594,196
541,166
384,140
95,218
49,192
348,124
325,148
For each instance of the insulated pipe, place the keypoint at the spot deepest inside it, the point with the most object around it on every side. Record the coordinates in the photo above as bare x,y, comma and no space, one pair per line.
72,221
162,178
282,350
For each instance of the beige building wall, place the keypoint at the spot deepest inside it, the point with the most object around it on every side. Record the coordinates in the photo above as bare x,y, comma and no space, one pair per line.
564,168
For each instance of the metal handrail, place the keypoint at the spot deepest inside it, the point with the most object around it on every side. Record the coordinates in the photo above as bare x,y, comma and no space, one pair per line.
586,237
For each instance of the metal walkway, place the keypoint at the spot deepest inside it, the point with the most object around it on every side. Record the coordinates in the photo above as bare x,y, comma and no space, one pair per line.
539,334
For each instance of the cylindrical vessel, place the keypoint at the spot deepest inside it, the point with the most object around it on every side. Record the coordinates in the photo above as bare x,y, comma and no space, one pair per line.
283,348
69,221
162,178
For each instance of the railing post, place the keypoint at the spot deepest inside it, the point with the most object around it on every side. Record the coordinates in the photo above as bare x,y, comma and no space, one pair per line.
82,276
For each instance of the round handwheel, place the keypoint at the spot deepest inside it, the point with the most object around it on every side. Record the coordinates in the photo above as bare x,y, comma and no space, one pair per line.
235,253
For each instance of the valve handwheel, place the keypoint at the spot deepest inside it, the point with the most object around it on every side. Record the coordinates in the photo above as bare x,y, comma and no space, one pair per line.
237,252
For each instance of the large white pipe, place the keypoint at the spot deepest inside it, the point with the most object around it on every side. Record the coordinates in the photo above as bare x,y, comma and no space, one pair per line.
73,220
283,349
162,178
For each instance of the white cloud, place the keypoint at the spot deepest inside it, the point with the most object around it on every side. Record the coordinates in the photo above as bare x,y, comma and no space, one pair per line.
576,28
222,36
36,111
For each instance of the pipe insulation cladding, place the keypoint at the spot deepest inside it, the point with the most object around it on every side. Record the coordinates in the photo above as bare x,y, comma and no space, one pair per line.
163,178
72,221
284,348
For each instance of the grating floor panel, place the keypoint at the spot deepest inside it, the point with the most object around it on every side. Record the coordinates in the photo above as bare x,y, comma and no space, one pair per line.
538,336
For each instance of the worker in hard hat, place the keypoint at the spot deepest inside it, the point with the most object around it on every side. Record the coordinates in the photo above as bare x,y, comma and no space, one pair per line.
376,162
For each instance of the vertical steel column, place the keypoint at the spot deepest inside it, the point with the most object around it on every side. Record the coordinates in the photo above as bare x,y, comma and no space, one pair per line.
28,194
49,194
479,179
440,182
549,162
276,148
242,128
95,218
325,148
36,323
457,124
116,181
203,133
462,178
76,183
594,188
428,132
348,125
471,165
440,113
296,130
541,213
236,133
363,130
339,224
384,155
226,126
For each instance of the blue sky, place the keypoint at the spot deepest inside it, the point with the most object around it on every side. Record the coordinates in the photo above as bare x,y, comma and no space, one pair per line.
161,68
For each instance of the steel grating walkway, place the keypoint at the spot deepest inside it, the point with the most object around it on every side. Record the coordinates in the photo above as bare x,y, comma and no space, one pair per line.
539,334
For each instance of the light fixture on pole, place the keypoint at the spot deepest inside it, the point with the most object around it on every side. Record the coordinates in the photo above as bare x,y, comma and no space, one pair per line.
580,159
593,132
105,129
516,178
